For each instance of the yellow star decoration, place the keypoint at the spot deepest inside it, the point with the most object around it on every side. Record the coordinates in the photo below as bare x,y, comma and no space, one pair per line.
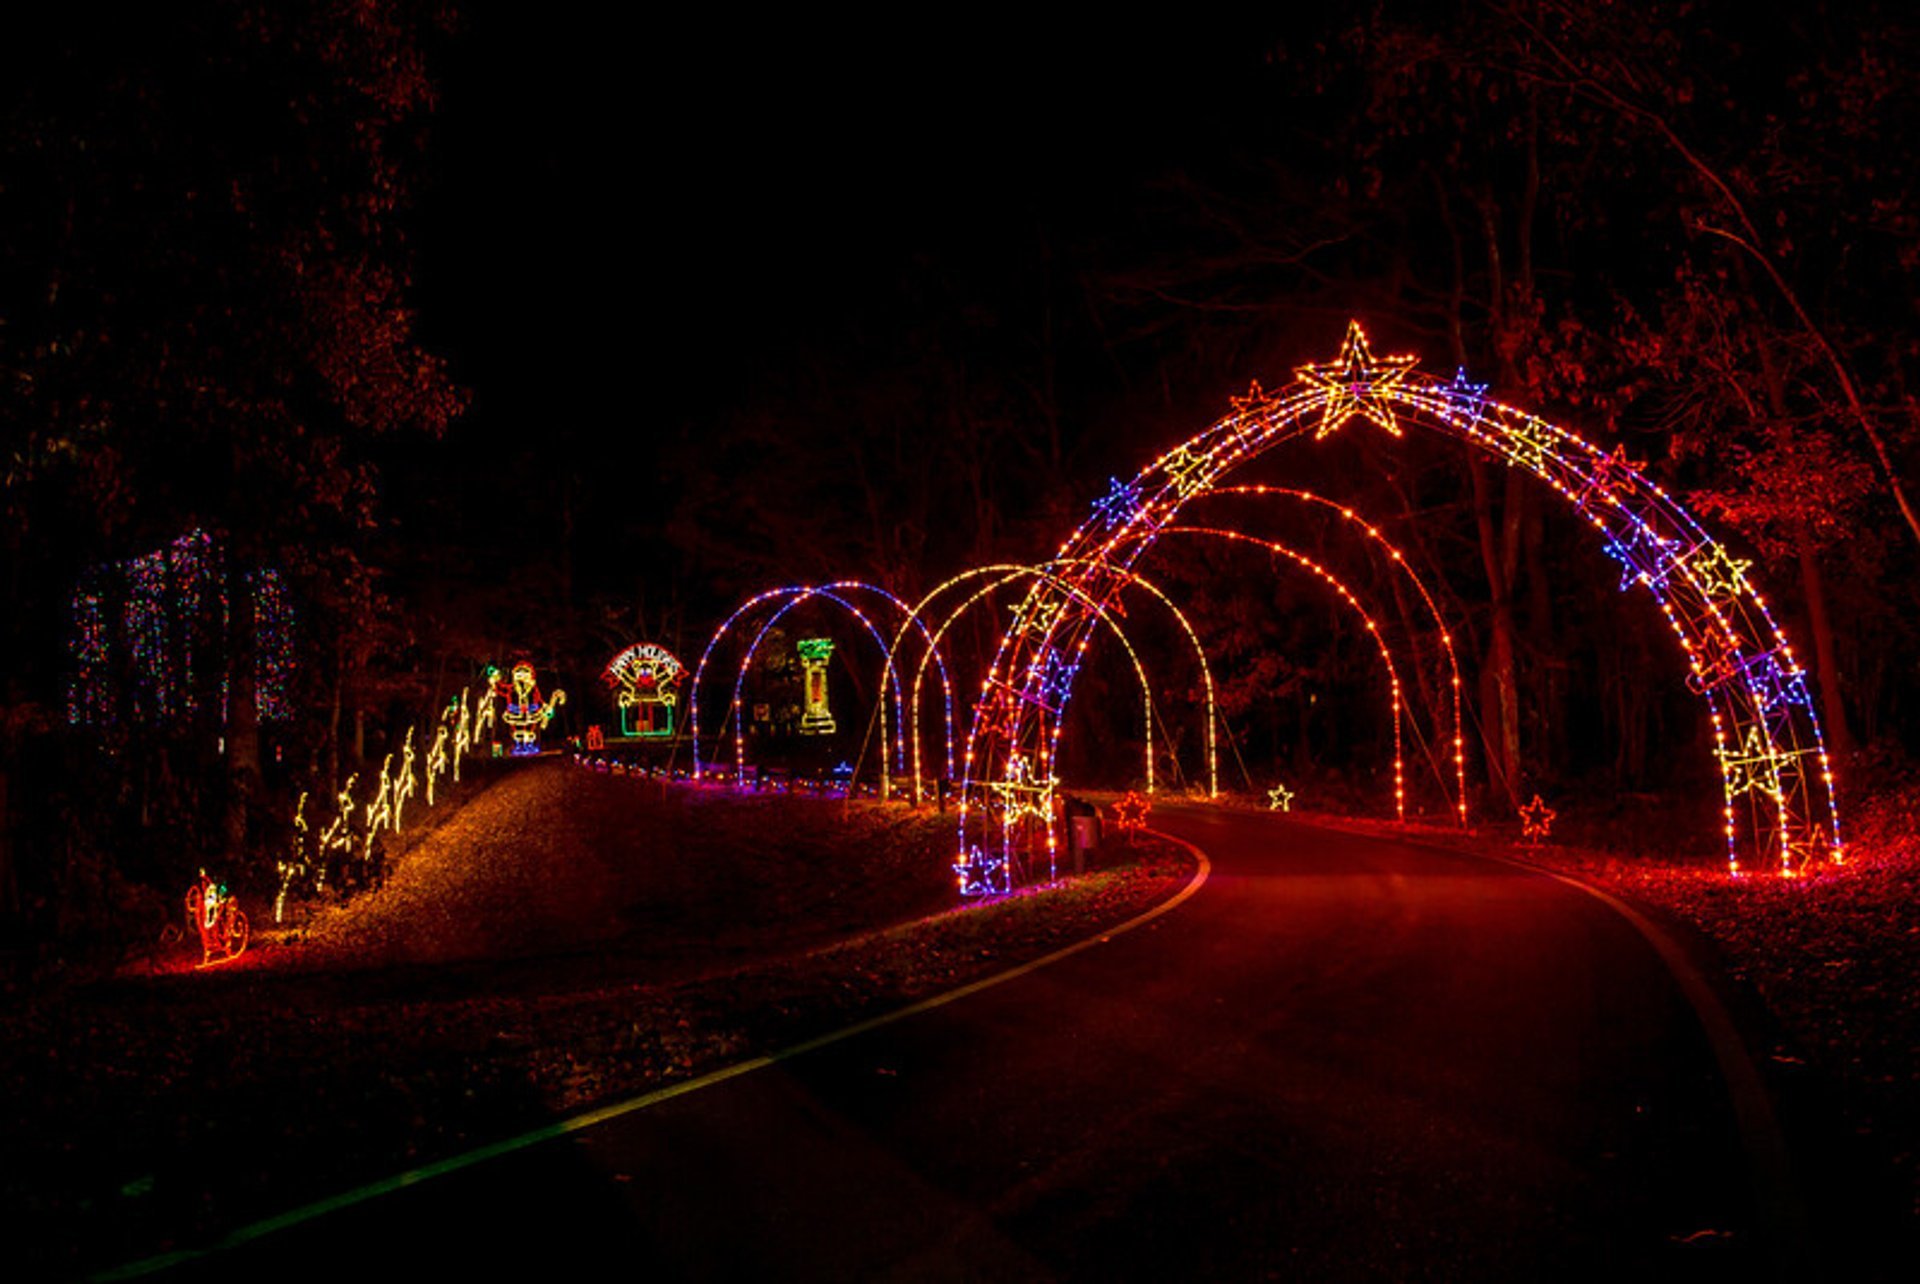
1279,798
1755,766
1021,797
1042,615
1530,443
1536,818
1186,470
1718,575
1357,383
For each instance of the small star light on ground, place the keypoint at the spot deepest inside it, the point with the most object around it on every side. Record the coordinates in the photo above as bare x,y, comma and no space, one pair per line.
1536,819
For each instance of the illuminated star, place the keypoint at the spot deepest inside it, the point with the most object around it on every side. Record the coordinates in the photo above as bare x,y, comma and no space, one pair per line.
1130,811
1716,660
1021,796
1186,470
1530,443
1717,574
1610,473
1536,819
1465,399
1279,798
1037,612
1754,767
1357,383
1256,401
1643,555
1775,684
1056,679
1121,504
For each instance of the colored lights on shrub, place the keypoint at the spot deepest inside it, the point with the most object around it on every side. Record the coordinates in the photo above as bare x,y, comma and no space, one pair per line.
150,637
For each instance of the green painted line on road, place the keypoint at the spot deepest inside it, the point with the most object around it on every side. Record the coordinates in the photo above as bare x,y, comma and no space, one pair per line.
578,1123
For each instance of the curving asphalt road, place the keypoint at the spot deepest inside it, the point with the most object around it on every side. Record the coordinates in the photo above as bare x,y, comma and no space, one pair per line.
1344,1058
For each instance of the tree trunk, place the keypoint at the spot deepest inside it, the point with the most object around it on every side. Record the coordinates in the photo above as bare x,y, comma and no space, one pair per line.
243,717
1499,683
1826,663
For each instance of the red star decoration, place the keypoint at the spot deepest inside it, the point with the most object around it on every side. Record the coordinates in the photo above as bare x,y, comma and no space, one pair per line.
1536,818
1256,399
1357,383
1130,811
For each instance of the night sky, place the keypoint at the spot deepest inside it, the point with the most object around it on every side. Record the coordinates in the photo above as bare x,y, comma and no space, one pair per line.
629,234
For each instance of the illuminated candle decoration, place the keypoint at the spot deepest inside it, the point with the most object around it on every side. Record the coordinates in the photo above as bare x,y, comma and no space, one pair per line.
816,719
1536,820
1130,812
645,679
1777,787
526,715
1279,798
214,916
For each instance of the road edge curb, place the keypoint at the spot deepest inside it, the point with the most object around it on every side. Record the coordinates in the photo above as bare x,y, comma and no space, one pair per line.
264,1227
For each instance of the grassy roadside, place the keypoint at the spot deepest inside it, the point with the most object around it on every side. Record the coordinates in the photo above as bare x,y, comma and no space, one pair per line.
175,1106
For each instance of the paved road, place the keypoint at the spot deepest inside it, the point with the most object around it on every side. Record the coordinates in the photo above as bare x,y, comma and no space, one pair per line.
1344,1058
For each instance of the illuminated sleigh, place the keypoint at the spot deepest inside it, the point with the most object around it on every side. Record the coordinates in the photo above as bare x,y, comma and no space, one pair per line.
215,914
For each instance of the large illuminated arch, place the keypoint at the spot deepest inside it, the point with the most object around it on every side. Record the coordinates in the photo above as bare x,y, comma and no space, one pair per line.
1777,798
1009,572
790,597
1396,692
1401,564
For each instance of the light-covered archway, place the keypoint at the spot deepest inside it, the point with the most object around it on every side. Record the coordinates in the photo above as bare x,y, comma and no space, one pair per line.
1777,796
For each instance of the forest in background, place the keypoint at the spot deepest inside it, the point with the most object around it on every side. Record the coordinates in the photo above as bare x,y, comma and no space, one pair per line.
352,286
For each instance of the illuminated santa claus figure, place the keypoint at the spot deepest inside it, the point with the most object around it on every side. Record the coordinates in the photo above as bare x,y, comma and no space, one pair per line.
526,714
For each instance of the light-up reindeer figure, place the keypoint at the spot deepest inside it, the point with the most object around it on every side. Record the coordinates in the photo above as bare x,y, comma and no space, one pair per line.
436,761
526,715
296,862
338,835
483,713
405,783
